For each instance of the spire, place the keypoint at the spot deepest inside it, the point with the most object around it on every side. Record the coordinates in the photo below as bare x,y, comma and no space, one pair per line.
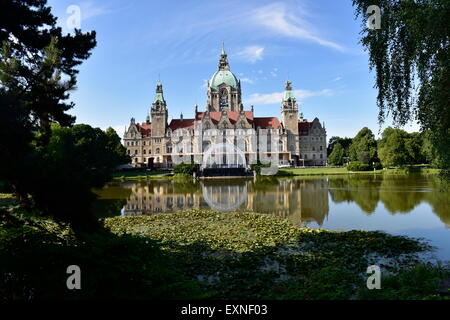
223,62
159,93
288,93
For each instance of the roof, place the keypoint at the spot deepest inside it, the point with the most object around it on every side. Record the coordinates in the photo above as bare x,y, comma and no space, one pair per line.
266,122
232,115
181,124
223,76
288,93
303,127
145,128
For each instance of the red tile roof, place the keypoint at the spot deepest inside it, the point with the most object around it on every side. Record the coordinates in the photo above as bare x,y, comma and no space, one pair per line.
232,115
181,124
266,122
145,128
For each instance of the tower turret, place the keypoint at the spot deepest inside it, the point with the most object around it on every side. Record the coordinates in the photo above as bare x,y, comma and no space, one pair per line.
289,115
159,112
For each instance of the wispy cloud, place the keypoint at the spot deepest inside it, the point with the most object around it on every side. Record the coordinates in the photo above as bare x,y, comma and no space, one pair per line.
247,80
90,10
337,79
252,53
277,18
277,97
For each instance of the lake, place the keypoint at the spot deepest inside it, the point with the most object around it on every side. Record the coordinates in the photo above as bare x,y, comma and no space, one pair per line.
414,205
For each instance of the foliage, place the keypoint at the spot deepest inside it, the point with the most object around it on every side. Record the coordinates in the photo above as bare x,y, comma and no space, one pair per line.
38,68
344,142
35,256
364,147
186,168
256,256
399,148
336,157
358,166
256,167
74,161
410,54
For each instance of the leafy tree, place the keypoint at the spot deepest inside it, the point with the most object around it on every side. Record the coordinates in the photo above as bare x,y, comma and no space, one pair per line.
336,157
393,150
411,56
38,68
398,148
74,161
344,142
364,147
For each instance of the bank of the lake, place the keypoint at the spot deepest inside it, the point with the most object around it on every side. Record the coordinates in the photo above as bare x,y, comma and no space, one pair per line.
142,175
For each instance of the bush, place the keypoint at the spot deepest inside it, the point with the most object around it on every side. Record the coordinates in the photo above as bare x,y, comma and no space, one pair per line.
377,166
185,168
257,167
358,166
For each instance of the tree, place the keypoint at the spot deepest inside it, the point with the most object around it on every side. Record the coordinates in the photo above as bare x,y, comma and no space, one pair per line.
344,142
74,161
411,56
364,147
336,157
392,151
38,68
398,148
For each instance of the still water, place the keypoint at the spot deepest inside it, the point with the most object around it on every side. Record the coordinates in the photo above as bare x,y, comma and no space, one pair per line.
414,205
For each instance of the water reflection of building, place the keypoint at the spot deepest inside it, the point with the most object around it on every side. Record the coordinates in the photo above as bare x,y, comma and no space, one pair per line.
297,200
155,198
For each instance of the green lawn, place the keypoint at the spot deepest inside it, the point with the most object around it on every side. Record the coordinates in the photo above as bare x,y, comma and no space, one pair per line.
140,175
332,171
312,171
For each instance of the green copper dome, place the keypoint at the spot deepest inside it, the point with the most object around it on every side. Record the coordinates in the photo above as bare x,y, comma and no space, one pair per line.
223,76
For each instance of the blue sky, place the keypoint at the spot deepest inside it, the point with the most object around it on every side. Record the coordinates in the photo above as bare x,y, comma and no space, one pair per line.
314,43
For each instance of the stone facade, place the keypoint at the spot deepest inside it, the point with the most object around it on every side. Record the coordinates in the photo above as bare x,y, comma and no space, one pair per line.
155,142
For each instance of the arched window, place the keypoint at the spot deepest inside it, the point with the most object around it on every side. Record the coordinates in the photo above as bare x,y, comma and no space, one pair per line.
157,151
280,145
169,148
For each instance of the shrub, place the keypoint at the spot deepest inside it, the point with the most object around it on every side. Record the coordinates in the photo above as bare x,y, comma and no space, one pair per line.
358,166
185,168
257,167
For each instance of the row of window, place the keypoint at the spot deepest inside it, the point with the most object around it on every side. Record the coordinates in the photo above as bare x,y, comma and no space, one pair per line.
311,138
313,148
305,156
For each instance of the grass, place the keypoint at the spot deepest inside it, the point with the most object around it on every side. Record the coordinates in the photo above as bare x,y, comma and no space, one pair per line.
140,175
341,170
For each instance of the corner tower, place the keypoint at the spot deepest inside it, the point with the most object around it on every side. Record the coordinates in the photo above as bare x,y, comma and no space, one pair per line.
224,89
159,113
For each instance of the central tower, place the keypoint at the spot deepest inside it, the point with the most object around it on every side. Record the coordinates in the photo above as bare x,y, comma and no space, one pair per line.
224,89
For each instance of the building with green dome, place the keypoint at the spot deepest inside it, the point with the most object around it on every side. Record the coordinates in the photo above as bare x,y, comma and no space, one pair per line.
294,141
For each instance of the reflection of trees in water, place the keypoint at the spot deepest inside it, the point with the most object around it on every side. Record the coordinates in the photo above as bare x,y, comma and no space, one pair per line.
401,194
363,190
439,199
398,193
